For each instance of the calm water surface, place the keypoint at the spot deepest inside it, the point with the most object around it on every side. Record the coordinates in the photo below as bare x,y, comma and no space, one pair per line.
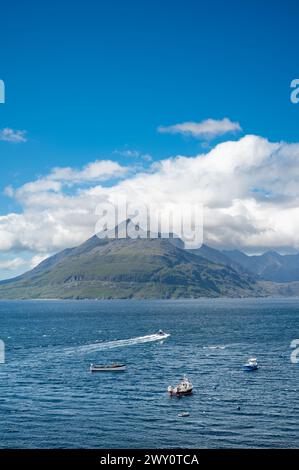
48,397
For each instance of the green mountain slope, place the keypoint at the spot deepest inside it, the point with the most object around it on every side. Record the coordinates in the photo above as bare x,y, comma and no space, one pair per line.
126,268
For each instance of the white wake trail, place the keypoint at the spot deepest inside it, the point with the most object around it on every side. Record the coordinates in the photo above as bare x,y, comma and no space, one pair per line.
88,348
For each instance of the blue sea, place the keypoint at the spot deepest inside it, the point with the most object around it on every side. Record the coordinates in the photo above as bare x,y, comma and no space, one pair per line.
49,399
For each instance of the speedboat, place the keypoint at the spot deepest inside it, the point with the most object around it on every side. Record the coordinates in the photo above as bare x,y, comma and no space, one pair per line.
162,334
251,364
185,387
108,368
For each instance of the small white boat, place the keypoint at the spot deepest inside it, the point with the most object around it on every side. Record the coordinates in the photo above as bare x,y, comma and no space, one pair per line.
108,368
185,387
251,364
162,334
184,414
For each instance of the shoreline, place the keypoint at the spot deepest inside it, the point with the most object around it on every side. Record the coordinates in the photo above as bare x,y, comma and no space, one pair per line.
181,299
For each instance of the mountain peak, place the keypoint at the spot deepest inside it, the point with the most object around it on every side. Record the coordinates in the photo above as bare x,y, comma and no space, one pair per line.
125,268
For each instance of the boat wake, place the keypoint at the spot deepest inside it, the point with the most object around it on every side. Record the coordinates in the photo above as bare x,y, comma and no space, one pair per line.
119,343
38,356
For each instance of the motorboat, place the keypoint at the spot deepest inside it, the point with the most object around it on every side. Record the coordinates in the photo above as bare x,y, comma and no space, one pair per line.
251,364
184,414
185,387
162,334
107,368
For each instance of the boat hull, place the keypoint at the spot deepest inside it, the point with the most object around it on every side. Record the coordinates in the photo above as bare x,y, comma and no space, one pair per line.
248,368
181,394
107,369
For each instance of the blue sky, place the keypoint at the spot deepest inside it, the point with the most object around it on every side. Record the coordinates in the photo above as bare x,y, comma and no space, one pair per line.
90,80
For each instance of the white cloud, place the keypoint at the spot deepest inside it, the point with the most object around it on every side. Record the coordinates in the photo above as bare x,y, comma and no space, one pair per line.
11,135
134,154
249,188
7,237
127,153
37,259
9,191
11,264
98,171
207,129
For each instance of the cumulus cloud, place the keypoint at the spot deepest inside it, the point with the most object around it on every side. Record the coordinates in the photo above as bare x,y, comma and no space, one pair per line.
12,264
37,259
98,171
249,189
207,129
11,135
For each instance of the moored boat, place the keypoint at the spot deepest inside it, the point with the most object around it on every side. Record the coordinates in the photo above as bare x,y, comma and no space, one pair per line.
184,414
251,364
185,387
107,368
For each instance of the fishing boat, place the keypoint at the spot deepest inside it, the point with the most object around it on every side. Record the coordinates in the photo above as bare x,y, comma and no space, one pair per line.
251,364
185,387
107,368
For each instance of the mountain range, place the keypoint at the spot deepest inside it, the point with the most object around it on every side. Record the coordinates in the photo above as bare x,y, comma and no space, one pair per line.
103,268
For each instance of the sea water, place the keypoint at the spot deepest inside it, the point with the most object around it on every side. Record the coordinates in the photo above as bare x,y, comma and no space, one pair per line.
49,399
